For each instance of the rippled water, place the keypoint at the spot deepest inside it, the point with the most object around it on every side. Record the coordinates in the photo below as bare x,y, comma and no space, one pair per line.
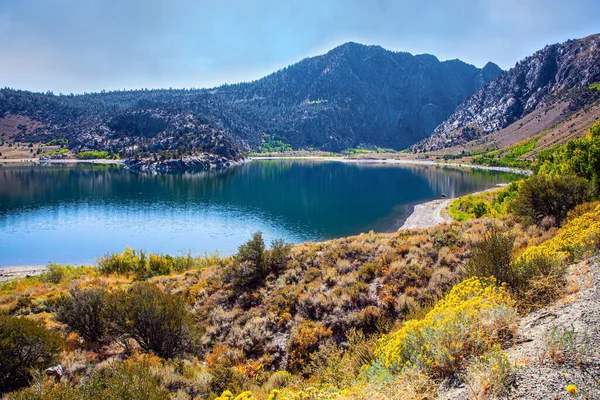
75,214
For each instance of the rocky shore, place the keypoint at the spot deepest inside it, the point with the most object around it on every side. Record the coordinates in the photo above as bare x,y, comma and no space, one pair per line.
196,163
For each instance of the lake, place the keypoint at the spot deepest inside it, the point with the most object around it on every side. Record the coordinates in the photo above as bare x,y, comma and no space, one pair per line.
74,214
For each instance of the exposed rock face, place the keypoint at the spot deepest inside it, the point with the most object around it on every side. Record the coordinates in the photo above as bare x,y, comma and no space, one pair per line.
520,90
194,163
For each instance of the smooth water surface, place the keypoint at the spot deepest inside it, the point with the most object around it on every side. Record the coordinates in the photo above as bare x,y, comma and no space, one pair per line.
78,213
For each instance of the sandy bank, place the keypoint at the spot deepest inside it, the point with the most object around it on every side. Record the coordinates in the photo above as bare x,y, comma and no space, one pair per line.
9,273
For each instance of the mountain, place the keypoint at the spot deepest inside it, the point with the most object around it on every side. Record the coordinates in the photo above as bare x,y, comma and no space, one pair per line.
357,94
352,95
562,74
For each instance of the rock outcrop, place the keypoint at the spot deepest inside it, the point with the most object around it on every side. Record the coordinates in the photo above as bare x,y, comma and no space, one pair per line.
202,162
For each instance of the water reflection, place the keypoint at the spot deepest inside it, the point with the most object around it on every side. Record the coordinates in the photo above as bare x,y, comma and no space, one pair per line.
73,214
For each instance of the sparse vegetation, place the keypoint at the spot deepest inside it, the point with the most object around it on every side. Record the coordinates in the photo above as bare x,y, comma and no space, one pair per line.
96,155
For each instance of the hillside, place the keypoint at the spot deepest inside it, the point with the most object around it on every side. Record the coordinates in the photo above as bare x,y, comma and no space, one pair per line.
352,95
543,81
443,312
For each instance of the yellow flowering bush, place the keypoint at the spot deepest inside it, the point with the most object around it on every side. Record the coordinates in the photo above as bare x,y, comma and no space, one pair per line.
476,314
576,235
227,395
324,392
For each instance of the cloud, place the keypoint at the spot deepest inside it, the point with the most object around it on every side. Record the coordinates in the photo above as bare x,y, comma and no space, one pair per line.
74,45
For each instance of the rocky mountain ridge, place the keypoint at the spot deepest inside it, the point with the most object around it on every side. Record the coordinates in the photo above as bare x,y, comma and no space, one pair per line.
531,83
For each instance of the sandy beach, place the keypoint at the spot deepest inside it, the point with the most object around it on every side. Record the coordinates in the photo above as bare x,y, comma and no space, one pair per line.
426,215
433,213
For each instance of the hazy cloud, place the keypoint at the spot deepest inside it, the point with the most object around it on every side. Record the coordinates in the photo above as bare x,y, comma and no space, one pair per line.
88,45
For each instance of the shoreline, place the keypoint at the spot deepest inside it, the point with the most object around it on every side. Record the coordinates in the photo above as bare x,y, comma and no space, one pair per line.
315,158
9,273
427,215
60,161
396,161
435,212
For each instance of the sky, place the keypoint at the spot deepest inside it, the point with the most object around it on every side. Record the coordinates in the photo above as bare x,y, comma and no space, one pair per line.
77,46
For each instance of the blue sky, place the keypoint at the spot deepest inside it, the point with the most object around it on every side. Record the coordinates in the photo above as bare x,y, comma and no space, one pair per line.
88,45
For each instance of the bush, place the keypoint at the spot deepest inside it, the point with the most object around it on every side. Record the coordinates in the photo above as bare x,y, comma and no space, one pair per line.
533,281
126,380
489,375
145,266
84,311
576,238
24,345
544,196
158,321
537,281
253,262
491,256
54,273
475,315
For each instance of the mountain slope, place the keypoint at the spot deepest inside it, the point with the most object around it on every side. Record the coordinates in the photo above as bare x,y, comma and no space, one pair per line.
533,83
352,95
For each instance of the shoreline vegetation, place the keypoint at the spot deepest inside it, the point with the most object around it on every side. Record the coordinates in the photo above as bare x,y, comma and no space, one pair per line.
382,159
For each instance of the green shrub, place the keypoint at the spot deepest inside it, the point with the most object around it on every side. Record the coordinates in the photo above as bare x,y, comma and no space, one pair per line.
252,263
544,196
534,281
146,266
158,321
24,345
579,157
54,273
84,312
93,155
277,255
491,256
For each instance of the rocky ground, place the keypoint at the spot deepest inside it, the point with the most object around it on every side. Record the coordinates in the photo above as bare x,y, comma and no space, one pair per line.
557,346
575,320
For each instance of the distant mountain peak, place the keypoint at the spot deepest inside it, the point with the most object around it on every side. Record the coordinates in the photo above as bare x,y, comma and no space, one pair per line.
490,66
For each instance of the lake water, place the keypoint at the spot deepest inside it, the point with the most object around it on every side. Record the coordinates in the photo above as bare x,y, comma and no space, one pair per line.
73,214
